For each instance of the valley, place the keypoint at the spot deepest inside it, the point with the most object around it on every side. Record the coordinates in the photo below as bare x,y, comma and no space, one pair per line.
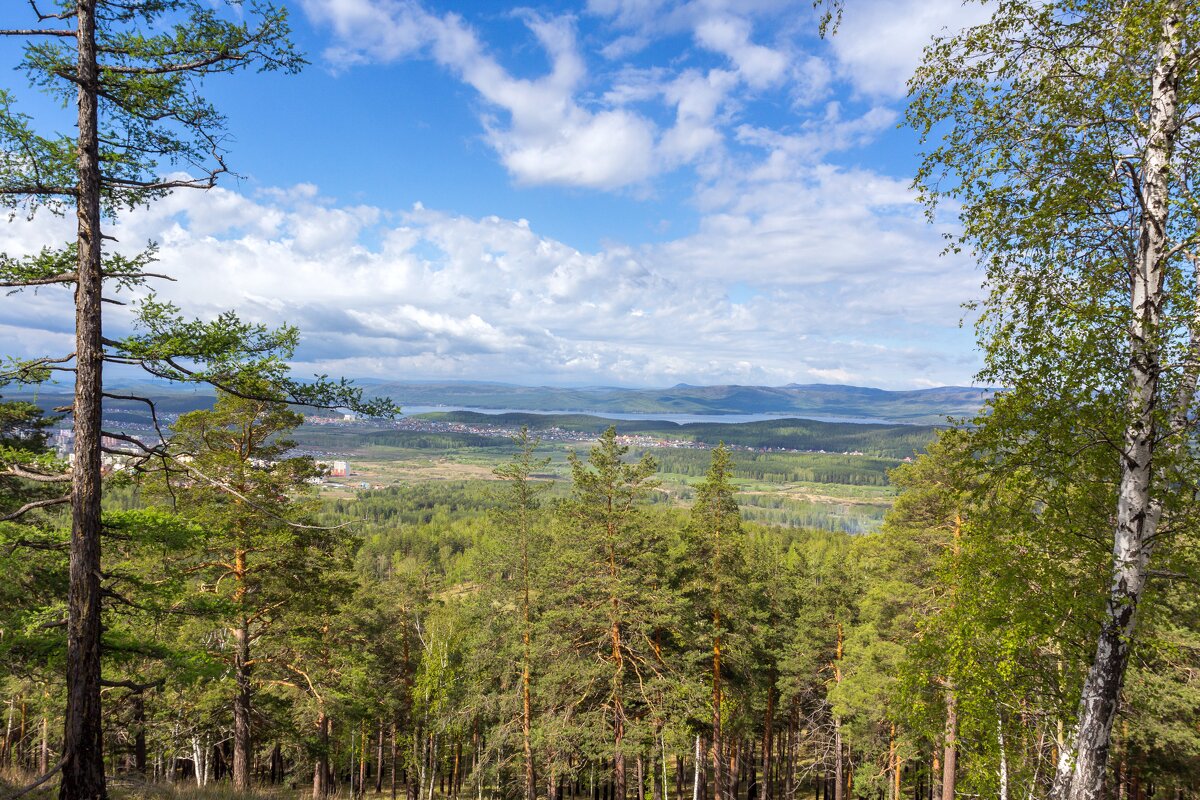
787,472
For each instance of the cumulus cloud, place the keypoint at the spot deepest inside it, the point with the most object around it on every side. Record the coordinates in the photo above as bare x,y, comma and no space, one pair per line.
797,269
879,42
595,120
371,30
575,125
841,281
757,65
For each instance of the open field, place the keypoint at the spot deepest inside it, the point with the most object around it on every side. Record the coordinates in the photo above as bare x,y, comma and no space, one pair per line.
828,490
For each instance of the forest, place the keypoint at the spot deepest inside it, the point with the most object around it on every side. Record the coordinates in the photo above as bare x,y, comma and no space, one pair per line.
518,638
186,612
896,441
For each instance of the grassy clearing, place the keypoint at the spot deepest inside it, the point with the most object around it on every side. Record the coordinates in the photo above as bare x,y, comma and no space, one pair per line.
771,497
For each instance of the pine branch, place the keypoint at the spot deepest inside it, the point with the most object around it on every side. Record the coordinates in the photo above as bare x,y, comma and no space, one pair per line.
35,32
34,505
38,477
65,277
153,409
66,14
38,189
132,686
199,63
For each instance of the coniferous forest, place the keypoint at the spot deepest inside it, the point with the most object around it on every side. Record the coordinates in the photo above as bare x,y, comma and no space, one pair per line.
187,612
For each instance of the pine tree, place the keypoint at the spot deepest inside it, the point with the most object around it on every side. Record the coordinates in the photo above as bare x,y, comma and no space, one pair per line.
259,555
718,581
132,69
608,611
523,542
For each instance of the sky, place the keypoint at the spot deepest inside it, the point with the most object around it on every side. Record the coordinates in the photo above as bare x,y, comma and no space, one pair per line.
600,192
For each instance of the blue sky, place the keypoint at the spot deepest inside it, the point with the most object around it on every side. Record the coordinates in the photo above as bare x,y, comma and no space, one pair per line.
631,192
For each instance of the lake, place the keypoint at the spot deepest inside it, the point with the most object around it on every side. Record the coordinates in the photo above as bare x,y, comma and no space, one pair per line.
682,419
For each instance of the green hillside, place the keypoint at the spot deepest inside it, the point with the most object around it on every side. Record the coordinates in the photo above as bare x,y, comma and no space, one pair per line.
893,441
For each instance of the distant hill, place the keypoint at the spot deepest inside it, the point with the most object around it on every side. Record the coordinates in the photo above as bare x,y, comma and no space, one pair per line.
889,441
169,398
926,406
825,400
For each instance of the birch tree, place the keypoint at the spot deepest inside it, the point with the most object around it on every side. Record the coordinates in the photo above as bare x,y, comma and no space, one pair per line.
1066,134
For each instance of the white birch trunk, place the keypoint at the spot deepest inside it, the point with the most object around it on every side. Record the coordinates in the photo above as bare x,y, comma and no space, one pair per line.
696,772
8,731
421,766
174,760
662,739
1081,764
1003,759
200,760
432,766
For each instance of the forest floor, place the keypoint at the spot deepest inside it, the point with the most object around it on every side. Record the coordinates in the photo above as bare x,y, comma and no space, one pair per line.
13,782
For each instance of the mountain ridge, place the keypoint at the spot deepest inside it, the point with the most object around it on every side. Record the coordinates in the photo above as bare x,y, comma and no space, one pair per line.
912,405
933,405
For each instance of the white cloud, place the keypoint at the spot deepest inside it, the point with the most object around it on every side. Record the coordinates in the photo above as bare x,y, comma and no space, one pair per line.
379,30
758,66
879,42
609,125
837,278
571,125
797,269
697,98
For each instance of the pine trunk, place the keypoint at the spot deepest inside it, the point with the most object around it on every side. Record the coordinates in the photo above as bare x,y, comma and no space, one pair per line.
893,778
752,790
527,722
83,758
768,740
362,761
392,768
276,769
618,683
526,680
839,766
718,755
139,733
321,767
44,750
241,705
950,750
